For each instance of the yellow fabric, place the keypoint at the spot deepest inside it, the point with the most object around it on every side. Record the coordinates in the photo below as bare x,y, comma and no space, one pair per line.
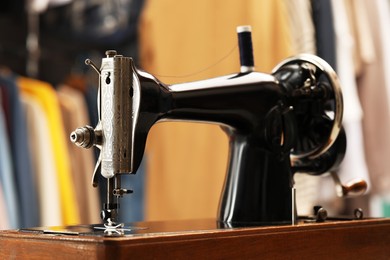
186,161
43,162
48,99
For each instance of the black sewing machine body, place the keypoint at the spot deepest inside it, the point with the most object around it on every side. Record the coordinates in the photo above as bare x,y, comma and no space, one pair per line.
277,124
251,109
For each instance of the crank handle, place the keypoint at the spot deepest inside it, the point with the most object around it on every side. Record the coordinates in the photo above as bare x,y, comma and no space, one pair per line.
353,188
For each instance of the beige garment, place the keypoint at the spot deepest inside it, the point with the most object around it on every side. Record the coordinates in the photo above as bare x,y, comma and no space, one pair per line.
74,112
348,25
187,161
383,7
354,164
375,103
363,49
43,162
301,26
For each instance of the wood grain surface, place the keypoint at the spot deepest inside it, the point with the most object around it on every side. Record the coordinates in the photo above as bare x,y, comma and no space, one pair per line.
360,239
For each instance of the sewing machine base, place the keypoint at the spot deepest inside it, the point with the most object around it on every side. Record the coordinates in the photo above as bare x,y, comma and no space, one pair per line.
136,229
139,229
198,239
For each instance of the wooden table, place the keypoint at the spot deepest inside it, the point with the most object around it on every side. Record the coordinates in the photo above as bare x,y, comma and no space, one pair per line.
204,239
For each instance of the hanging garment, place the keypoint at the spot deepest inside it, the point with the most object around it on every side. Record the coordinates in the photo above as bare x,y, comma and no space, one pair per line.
187,161
352,55
49,102
354,164
4,222
372,86
299,13
24,177
10,217
74,114
363,49
384,16
43,161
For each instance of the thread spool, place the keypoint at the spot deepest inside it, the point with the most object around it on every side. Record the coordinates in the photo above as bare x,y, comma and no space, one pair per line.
244,33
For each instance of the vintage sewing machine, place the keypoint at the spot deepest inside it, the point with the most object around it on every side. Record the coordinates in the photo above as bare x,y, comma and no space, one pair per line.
278,124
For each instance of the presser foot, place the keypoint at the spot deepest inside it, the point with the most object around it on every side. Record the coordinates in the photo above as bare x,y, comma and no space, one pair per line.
113,229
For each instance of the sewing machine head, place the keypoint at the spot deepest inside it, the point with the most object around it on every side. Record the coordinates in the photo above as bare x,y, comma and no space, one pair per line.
278,124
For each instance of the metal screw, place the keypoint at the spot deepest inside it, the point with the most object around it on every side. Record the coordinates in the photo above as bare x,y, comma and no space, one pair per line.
322,214
110,53
358,213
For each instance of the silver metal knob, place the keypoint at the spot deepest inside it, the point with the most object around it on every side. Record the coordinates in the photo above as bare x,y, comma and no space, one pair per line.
85,137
